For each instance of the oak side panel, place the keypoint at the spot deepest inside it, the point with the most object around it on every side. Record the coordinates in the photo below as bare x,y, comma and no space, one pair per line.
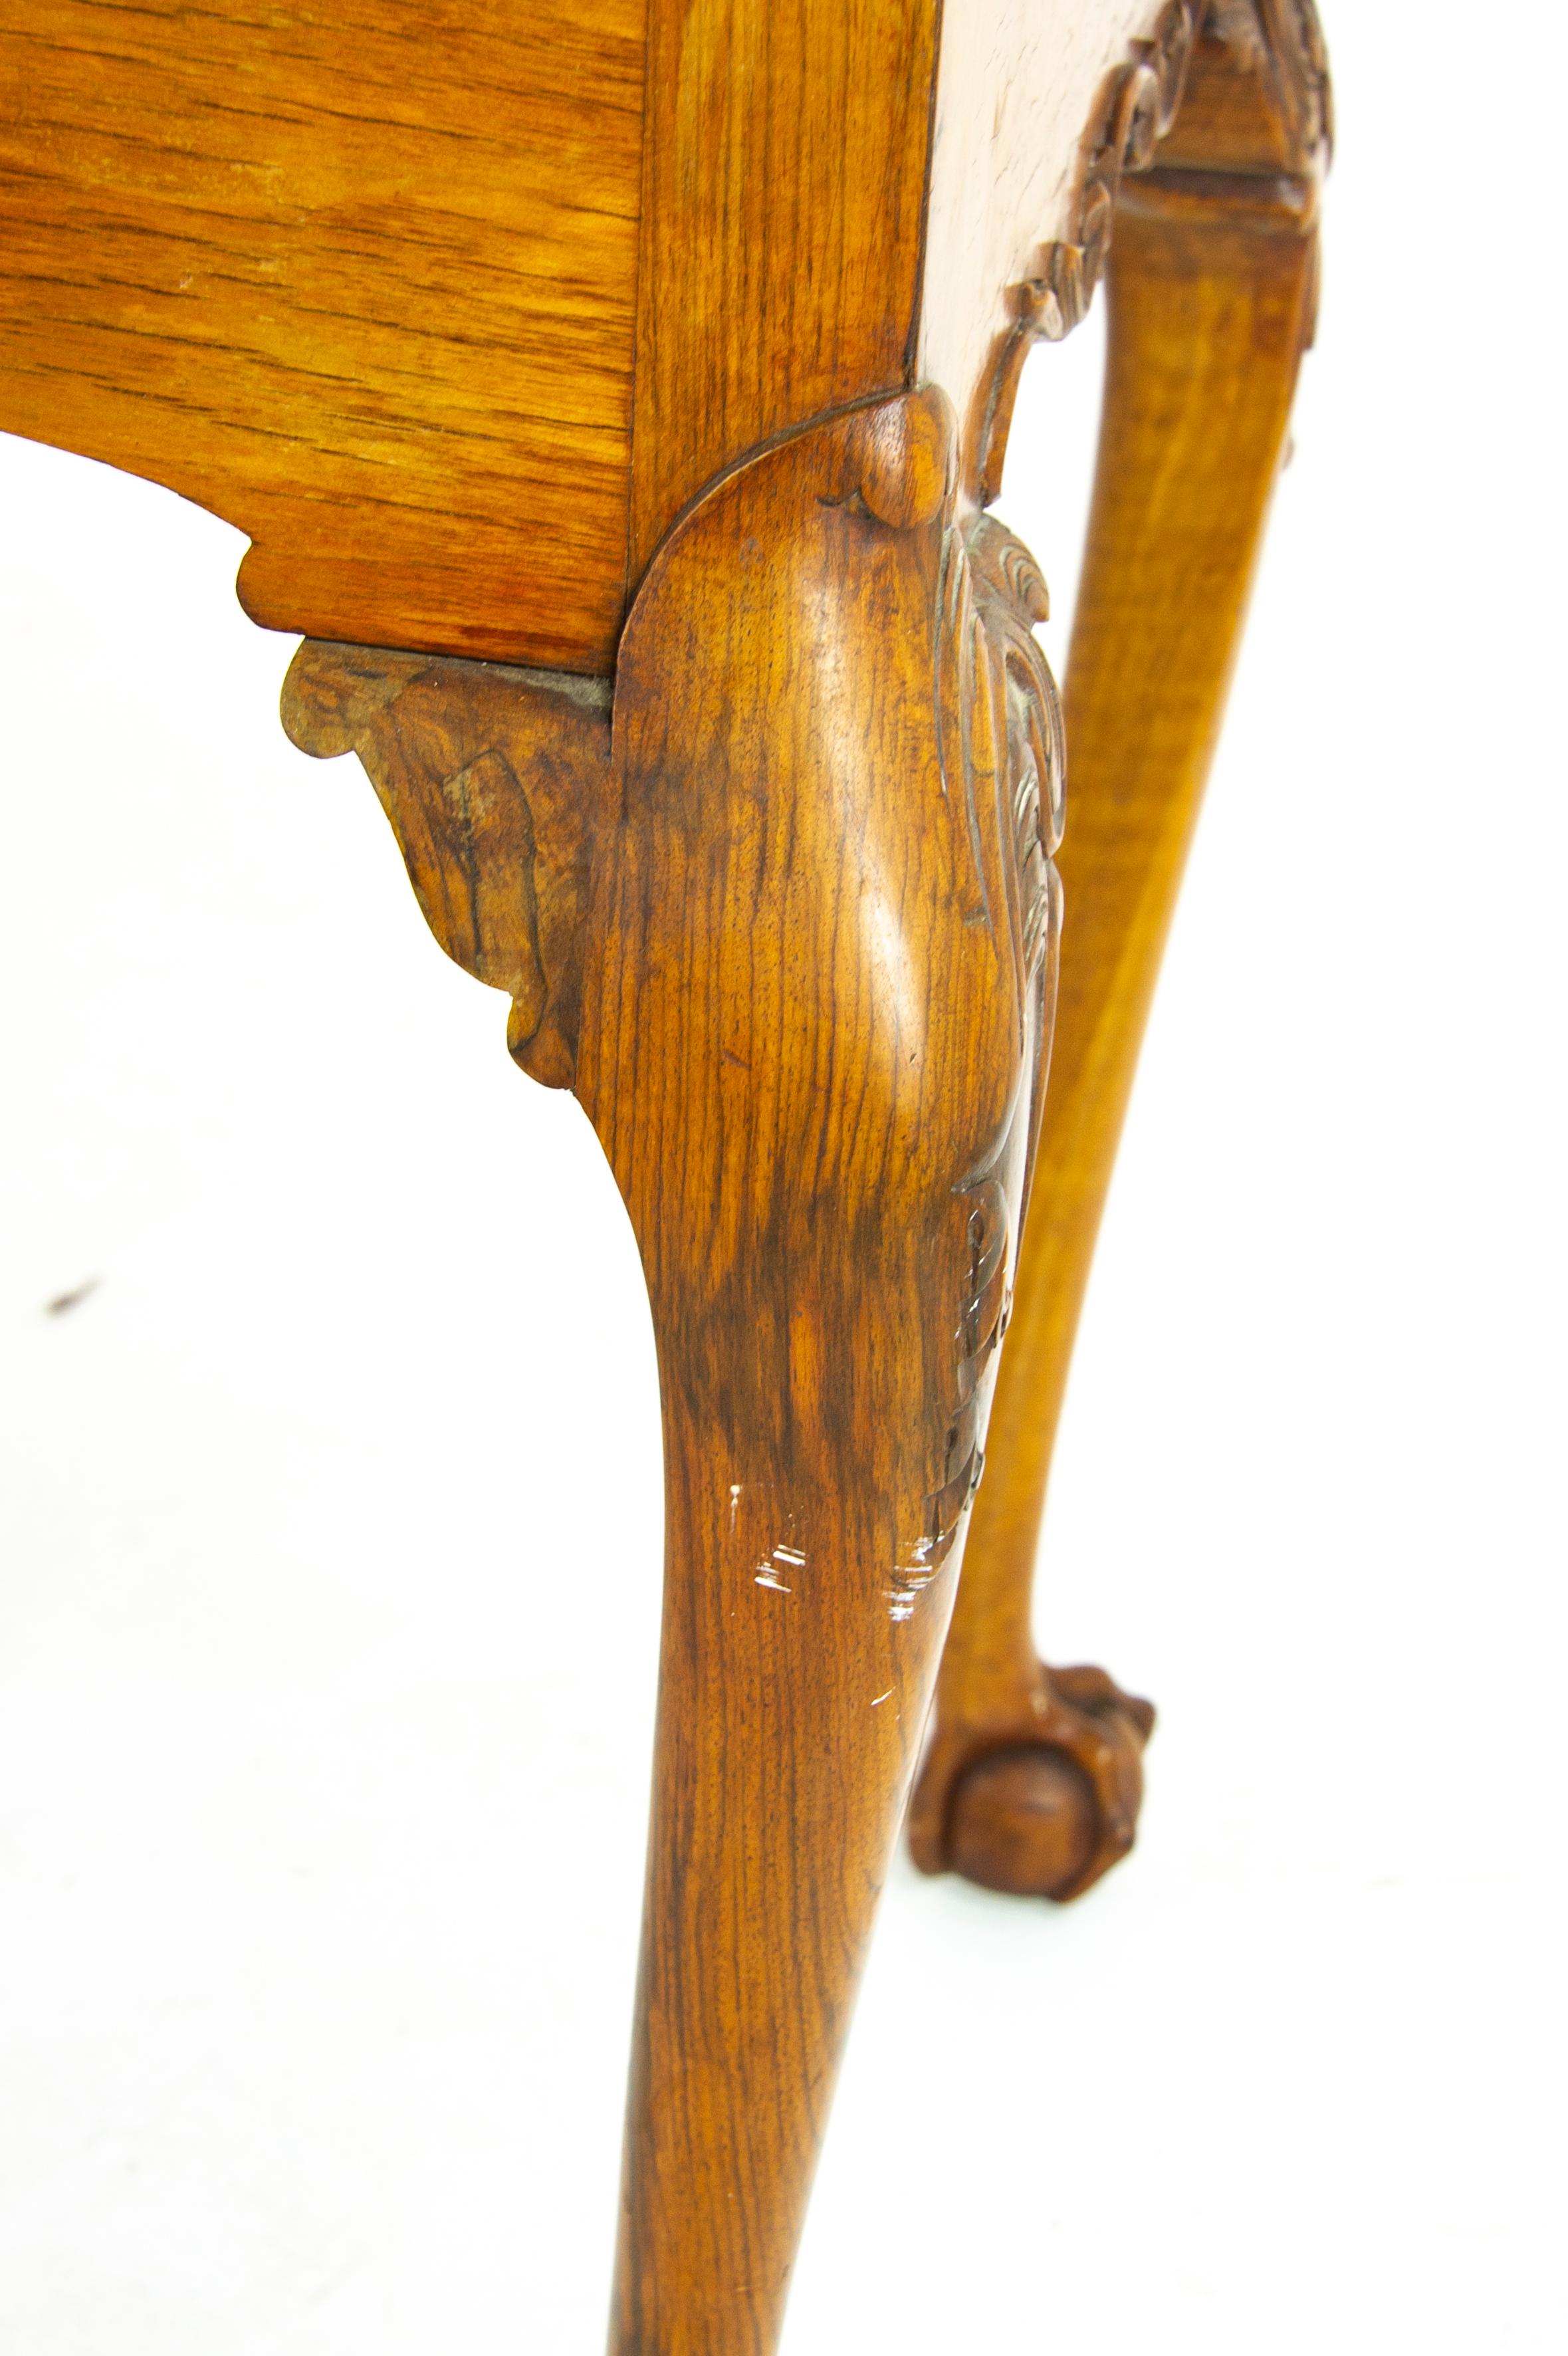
360,280
783,224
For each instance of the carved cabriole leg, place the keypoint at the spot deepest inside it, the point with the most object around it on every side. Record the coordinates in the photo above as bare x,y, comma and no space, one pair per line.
1033,1778
812,1025
789,930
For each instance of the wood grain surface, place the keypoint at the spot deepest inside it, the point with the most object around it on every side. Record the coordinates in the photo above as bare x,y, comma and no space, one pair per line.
454,316
361,280
783,227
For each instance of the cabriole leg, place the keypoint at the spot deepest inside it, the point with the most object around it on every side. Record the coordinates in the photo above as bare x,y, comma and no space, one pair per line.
787,924
813,1022
1034,1776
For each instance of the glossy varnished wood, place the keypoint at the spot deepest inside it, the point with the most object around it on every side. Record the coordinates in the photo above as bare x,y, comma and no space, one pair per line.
360,280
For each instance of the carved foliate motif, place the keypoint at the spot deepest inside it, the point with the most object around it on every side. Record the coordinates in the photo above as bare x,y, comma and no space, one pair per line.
490,777
1003,759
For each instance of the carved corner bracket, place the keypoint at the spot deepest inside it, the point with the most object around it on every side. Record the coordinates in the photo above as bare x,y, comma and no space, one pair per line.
492,779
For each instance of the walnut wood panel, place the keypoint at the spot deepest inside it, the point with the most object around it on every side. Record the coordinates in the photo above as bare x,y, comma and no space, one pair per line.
783,216
360,280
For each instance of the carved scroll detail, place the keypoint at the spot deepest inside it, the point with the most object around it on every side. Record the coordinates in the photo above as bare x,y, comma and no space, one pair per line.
1277,46
1136,107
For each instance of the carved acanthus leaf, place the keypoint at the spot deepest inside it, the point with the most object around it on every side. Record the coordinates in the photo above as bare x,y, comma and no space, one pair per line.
491,777
1003,754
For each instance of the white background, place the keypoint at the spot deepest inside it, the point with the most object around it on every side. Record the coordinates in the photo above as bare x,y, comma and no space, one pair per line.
329,1520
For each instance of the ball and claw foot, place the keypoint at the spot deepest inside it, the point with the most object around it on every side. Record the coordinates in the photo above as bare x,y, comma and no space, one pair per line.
1045,1815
